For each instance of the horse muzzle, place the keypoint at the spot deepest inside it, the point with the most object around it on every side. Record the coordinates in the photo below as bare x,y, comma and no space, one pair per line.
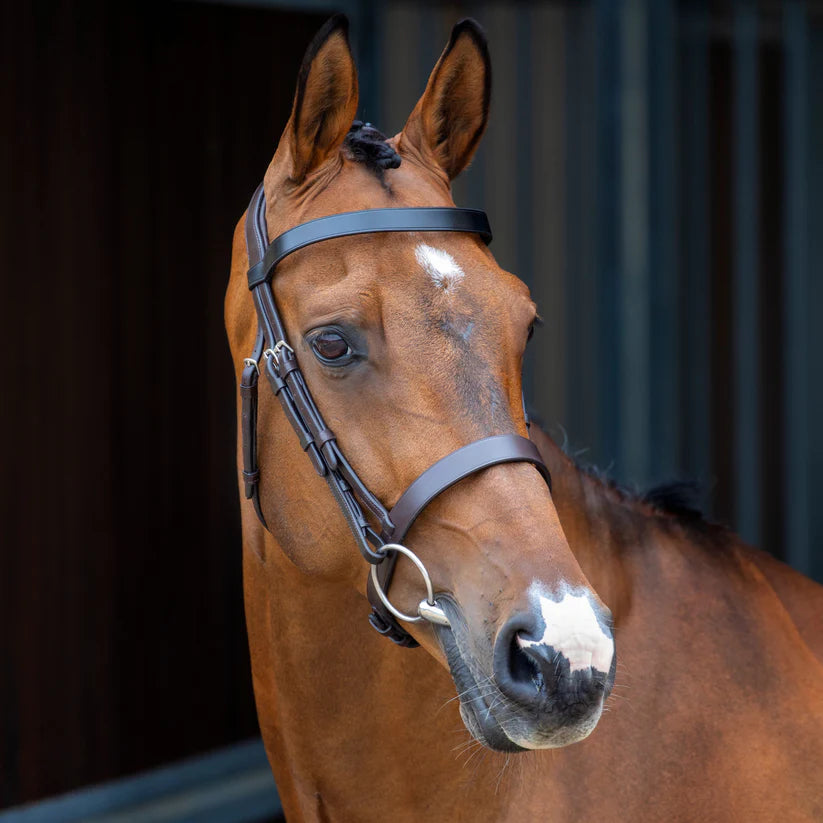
547,682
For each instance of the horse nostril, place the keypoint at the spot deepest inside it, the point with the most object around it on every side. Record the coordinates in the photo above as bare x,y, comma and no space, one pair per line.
520,672
523,668
539,675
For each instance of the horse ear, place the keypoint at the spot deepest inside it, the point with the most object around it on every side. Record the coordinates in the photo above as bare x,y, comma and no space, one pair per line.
450,118
326,99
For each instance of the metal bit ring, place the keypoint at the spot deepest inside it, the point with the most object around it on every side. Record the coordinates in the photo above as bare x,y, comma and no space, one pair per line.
428,608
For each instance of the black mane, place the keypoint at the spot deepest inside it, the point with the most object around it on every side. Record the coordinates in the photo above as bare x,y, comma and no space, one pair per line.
367,145
682,499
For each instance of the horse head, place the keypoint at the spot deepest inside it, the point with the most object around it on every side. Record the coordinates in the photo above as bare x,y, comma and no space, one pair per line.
412,345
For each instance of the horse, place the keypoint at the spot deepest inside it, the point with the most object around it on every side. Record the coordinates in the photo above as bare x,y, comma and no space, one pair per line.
516,705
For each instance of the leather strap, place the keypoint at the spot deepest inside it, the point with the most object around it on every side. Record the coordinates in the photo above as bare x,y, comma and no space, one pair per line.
454,467
316,439
256,247
367,222
381,619
287,384
248,421
445,473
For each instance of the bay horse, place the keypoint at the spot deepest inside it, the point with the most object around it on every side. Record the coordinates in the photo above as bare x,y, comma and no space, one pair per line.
515,707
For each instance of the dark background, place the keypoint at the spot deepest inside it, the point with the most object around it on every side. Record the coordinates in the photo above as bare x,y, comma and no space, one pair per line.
652,169
132,140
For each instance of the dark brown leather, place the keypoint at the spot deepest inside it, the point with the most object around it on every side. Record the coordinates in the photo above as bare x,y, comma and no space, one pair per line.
368,221
248,422
454,467
272,354
288,385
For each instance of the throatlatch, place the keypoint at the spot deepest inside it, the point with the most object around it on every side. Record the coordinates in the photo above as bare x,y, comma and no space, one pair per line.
379,543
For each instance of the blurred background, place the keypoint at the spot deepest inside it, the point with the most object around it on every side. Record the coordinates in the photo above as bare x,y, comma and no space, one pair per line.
652,169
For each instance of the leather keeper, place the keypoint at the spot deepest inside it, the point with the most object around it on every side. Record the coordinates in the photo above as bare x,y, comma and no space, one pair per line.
275,381
317,461
287,364
328,452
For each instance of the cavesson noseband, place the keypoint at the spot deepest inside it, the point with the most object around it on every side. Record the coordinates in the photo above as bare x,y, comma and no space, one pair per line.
272,353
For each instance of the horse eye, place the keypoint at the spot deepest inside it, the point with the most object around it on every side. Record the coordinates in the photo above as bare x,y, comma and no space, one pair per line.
329,345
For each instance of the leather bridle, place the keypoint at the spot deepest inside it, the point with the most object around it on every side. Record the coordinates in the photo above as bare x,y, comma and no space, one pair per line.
380,543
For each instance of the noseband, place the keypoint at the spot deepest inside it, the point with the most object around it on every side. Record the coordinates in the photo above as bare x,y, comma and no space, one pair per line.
273,354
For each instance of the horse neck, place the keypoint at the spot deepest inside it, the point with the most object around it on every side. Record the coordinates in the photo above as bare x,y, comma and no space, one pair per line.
606,532
650,568
342,710
334,698
322,673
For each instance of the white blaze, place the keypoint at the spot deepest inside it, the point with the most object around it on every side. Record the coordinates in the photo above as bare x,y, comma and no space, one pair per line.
572,629
443,269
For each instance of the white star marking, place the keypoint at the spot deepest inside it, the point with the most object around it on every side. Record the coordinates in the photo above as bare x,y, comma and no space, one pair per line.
443,269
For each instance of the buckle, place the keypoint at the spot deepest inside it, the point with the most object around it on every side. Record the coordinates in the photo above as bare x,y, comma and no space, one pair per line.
276,350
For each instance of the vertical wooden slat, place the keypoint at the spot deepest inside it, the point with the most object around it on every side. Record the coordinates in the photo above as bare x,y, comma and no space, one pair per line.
121,585
428,42
721,237
771,276
367,27
470,186
633,306
607,161
695,296
524,176
796,292
582,176
665,361
815,286
400,87
524,117
499,156
745,288
547,218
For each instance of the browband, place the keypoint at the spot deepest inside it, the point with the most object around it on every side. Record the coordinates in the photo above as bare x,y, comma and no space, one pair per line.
367,222
273,356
